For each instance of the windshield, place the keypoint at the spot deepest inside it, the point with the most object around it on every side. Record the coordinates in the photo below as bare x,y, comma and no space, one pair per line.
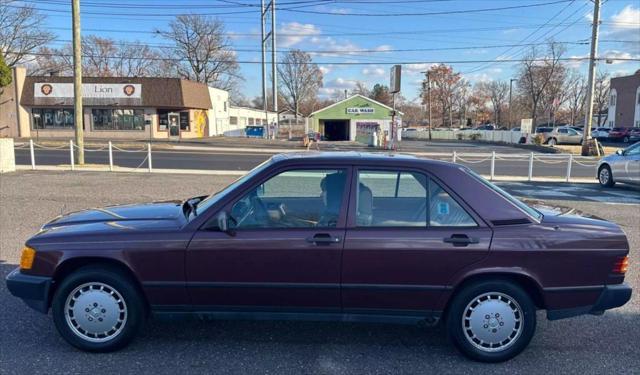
526,209
214,198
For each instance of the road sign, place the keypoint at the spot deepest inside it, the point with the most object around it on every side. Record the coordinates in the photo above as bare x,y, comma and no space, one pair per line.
526,125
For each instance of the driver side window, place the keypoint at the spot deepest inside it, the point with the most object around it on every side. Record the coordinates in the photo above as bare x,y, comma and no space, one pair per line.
292,199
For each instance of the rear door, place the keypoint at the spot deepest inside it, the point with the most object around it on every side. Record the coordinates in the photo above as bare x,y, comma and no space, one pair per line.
284,249
407,235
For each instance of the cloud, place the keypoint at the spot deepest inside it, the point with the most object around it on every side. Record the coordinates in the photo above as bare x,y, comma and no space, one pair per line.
326,69
612,55
293,33
383,48
374,72
413,69
624,26
337,86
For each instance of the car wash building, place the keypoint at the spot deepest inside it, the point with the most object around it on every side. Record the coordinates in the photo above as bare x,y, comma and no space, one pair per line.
353,119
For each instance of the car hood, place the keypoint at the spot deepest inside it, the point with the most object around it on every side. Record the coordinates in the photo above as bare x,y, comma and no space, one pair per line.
112,219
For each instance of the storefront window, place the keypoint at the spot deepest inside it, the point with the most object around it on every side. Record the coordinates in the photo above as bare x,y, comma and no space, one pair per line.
184,121
52,118
118,119
250,121
233,120
163,120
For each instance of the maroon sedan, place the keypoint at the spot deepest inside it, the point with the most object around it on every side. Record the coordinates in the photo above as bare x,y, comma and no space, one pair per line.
620,134
328,236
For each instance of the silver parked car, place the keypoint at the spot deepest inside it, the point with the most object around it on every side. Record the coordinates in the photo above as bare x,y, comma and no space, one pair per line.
623,166
564,135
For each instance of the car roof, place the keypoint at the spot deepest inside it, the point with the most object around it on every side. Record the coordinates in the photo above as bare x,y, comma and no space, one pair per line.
355,157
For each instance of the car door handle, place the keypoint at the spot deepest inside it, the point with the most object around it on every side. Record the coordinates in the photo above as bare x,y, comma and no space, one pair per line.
460,240
323,239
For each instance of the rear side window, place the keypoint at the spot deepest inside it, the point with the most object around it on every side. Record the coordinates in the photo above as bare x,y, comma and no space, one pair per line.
405,199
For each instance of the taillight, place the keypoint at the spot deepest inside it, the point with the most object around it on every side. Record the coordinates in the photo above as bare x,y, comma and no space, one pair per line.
622,265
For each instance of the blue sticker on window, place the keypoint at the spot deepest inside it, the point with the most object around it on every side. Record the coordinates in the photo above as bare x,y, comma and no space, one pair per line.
443,208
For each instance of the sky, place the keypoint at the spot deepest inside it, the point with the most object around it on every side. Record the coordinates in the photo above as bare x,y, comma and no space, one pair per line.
350,48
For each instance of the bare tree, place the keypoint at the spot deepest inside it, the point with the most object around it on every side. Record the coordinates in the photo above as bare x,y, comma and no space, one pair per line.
445,83
496,93
537,73
601,95
21,32
203,51
577,88
361,89
299,79
103,57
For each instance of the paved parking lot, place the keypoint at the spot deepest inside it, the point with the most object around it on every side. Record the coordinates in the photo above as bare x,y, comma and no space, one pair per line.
30,344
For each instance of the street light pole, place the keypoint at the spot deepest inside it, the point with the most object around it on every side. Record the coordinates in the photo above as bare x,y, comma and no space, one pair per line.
586,136
510,88
428,100
77,81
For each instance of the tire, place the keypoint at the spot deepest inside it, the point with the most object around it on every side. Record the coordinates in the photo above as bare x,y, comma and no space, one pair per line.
99,299
552,142
625,140
605,177
506,313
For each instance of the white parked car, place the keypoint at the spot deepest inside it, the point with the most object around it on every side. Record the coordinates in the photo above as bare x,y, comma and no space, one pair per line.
623,166
600,133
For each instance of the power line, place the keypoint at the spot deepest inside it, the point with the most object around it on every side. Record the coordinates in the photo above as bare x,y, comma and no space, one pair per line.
339,62
436,13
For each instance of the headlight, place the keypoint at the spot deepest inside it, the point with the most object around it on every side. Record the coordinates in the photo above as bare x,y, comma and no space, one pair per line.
27,257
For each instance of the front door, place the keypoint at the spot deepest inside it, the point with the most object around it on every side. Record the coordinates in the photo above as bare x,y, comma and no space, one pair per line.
283,250
406,238
174,125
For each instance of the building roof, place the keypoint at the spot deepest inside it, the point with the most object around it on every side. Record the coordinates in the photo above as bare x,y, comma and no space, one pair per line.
156,92
350,98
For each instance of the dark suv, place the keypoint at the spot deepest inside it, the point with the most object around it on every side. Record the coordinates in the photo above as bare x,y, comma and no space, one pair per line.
328,236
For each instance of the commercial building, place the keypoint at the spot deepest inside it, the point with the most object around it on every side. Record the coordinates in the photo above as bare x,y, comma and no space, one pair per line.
353,119
624,101
122,107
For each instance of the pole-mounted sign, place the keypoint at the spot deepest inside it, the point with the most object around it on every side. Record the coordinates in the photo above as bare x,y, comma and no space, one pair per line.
394,85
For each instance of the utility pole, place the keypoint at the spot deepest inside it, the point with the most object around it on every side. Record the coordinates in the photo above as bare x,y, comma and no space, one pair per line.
274,75
265,37
77,81
264,69
586,140
428,100
510,88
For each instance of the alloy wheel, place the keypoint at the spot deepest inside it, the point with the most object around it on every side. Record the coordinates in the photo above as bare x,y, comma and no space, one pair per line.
492,322
95,312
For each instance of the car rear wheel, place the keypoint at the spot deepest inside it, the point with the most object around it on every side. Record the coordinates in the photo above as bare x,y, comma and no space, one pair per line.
605,177
552,142
491,321
98,309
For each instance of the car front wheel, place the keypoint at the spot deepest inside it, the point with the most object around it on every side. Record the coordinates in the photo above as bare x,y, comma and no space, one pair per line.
552,142
98,309
605,177
491,321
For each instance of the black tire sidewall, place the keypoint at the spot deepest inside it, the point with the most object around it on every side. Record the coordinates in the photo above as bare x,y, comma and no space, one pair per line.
127,289
610,182
462,299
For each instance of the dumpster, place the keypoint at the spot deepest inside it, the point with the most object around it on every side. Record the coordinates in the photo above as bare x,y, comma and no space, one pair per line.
256,131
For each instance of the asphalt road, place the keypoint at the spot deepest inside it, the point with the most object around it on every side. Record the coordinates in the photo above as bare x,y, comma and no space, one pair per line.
29,343
208,160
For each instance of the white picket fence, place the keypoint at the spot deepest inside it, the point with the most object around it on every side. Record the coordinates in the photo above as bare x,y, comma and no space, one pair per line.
506,136
567,161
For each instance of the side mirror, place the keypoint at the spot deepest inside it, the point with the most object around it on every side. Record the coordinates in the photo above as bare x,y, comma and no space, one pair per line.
619,152
223,222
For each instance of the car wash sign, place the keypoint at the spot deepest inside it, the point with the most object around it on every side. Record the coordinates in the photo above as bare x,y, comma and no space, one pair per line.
360,110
